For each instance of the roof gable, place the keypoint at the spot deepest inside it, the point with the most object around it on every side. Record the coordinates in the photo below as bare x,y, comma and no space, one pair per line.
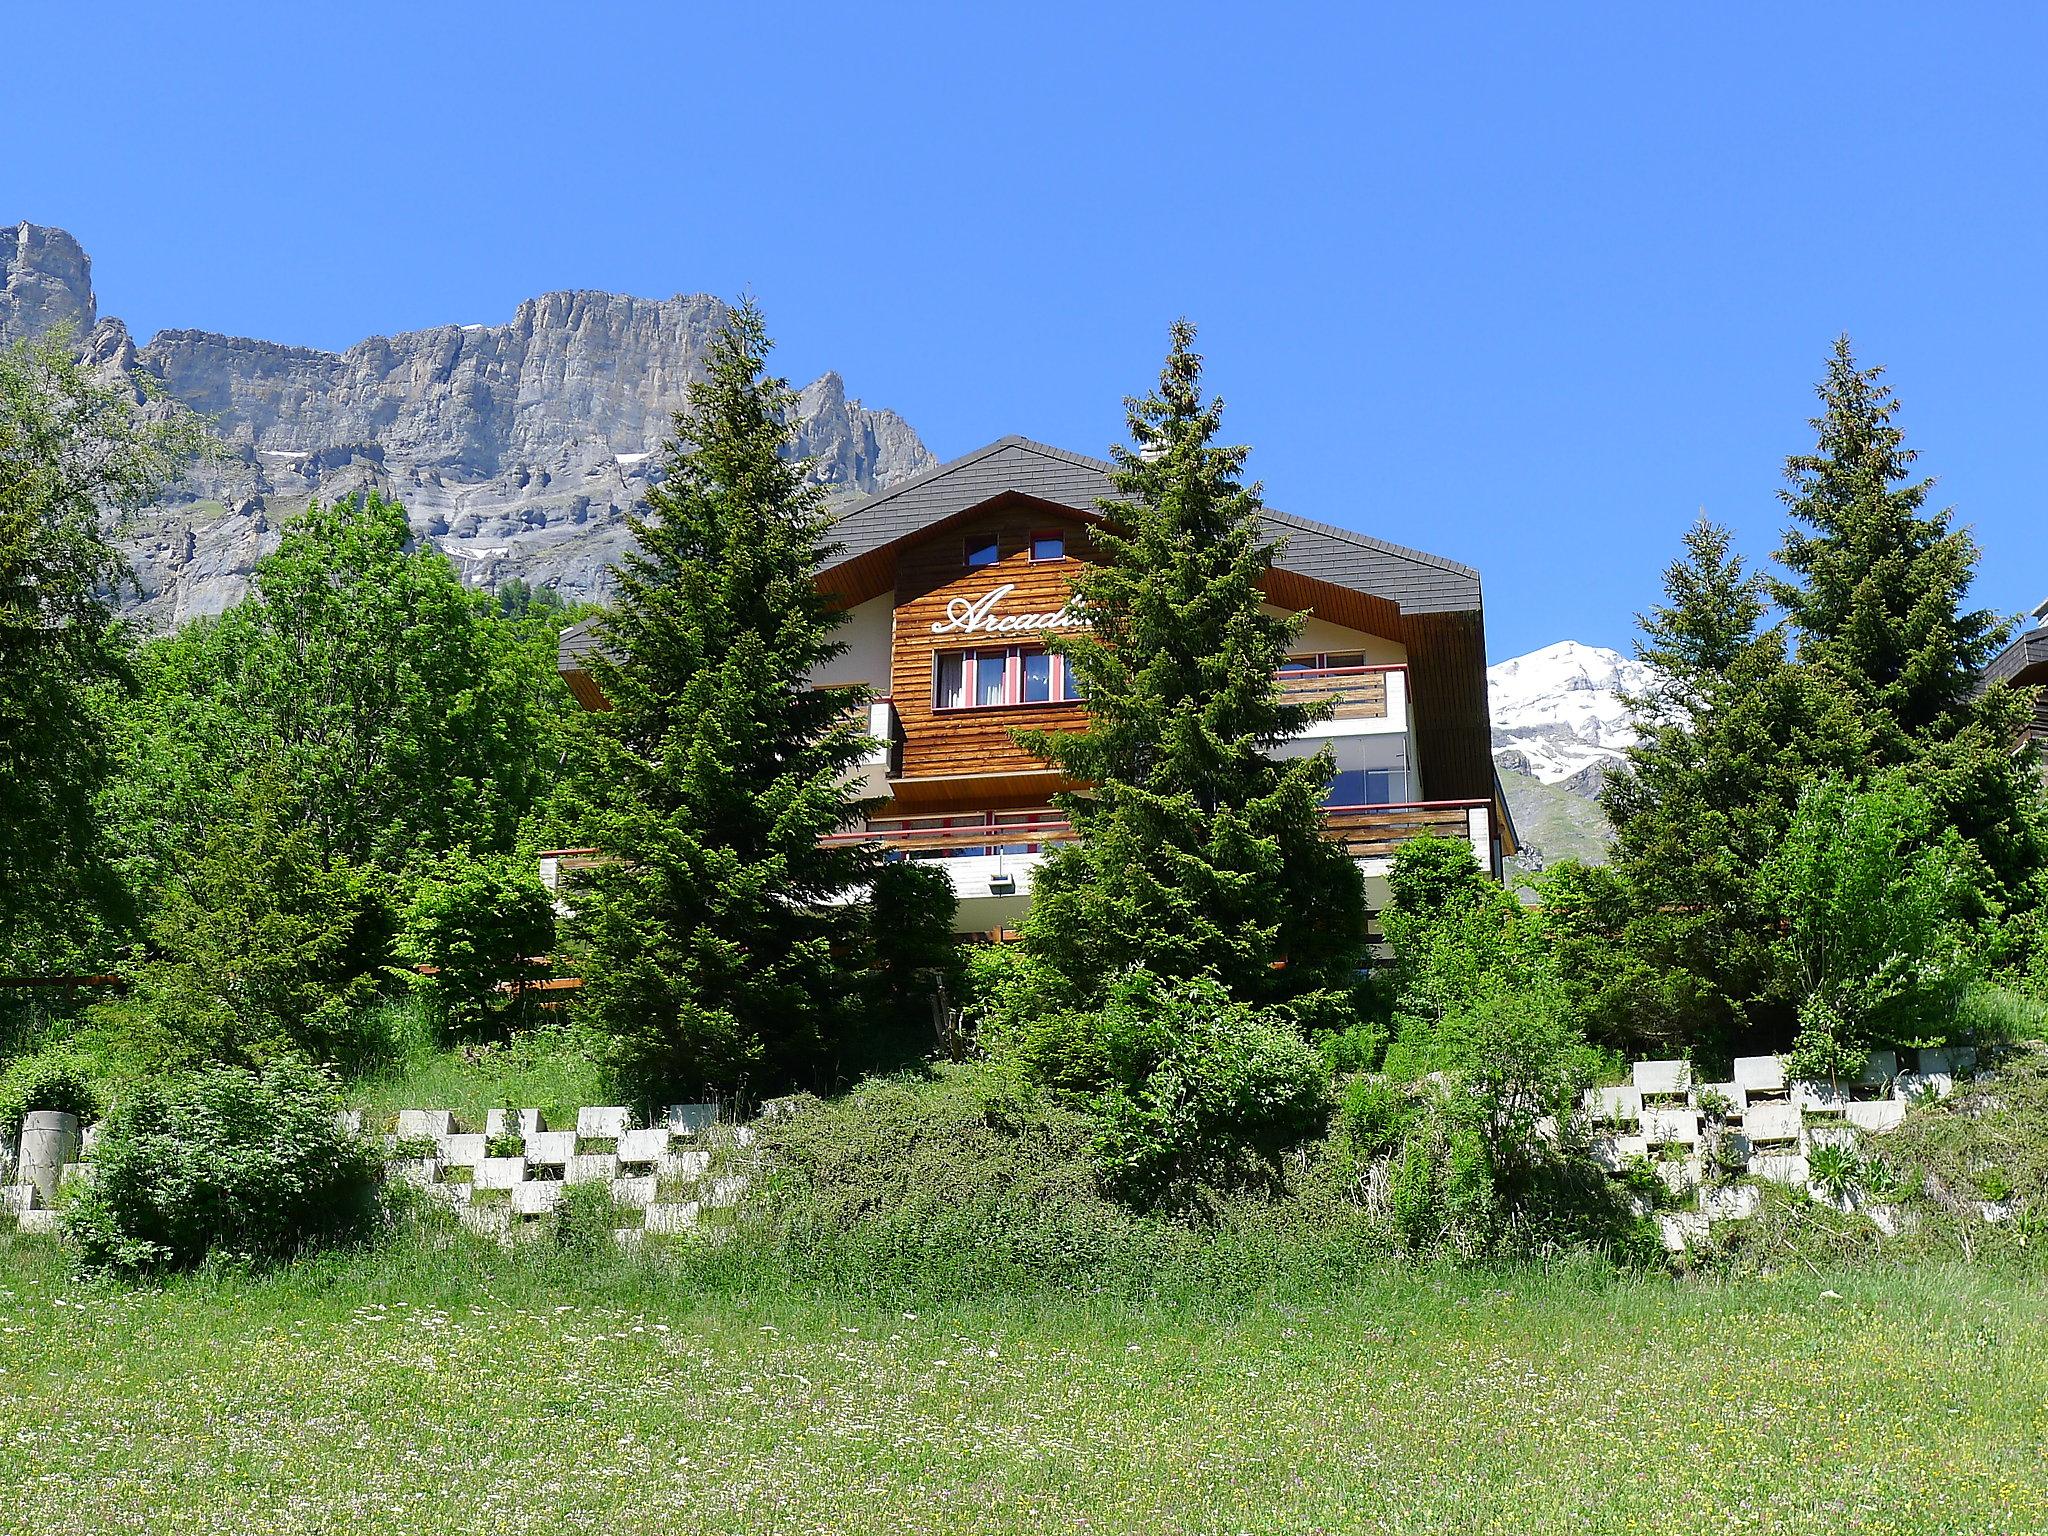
1417,582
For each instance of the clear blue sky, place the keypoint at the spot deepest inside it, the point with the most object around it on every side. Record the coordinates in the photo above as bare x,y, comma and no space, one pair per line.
1524,285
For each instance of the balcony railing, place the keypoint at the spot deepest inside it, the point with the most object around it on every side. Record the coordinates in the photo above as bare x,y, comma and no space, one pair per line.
1354,693
1364,831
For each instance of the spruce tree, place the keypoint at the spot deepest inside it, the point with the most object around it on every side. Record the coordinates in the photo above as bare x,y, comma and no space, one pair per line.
1728,736
1878,596
1199,852
724,946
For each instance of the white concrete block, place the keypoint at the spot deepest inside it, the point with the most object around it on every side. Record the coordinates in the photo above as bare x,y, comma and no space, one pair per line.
17,1198
643,1146
1823,1133
1878,1070
1818,1098
1615,1152
500,1173
1891,1220
1681,1175
1662,1079
689,1119
1947,1061
1916,1085
40,1223
350,1121
629,1238
605,1123
1876,1114
491,1220
1730,1202
74,1173
1681,1229
513,1122
1759,1074
591,1168
673,1217
1990,1210
551,1149
462,1150
726,1191
635,1192
420,1172
1732,1093
536,1197
1779,1167
1610,1105
425,1122
686,1163
1671,1127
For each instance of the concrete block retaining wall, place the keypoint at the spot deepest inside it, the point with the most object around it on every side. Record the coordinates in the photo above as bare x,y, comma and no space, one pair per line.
1716,1142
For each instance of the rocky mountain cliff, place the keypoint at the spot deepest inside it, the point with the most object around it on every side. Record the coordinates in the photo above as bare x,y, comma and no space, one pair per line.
1558,725
517,448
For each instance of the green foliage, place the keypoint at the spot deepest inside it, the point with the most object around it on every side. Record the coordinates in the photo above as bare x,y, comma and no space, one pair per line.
260,950
1199,852
72,448
549,1067
253,1167
728,948
583,1222
479,921
56,1078
1875,896
966,1178
1198,1092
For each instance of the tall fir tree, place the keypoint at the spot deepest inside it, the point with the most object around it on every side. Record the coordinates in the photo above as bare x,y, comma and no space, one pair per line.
724,947
1199,852
1728,735
1878,598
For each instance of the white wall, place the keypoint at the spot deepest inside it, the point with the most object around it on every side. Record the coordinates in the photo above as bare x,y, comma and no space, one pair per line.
866,634
1321,635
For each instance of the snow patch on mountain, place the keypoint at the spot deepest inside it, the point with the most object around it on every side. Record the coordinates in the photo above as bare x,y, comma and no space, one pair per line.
1558,714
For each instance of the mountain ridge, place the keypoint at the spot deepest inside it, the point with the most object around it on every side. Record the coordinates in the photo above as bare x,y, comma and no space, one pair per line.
517,448
1560,724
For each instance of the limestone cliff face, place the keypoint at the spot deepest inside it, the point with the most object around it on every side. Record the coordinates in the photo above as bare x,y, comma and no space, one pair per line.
516,448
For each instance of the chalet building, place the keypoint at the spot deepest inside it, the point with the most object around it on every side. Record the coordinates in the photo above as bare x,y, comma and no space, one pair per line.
953,580
2024,664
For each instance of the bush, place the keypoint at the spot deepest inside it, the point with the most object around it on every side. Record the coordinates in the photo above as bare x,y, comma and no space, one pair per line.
478,921
964,1178
50,1079
248,1166
1875,898
1192,1092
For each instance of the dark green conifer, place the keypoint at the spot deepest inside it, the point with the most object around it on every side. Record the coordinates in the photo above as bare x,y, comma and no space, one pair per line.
726,950
1200,853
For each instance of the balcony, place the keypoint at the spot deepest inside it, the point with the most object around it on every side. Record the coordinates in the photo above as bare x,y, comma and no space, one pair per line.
991,857
883,761
1364,701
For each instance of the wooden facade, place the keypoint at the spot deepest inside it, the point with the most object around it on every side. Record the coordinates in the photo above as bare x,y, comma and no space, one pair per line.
940,746
951,583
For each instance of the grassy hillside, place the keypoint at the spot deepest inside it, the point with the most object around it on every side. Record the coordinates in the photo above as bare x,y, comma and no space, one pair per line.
463,1389
1555,821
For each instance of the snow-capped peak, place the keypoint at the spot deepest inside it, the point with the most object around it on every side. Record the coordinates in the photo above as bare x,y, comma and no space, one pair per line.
1559,710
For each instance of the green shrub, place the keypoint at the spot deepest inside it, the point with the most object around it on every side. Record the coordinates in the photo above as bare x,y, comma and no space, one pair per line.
477,921
963,1178
54,1078
585,1221
245,1165
1875,895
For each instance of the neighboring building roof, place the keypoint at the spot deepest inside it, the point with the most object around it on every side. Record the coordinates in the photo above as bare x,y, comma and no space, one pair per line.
2021,658
1417,582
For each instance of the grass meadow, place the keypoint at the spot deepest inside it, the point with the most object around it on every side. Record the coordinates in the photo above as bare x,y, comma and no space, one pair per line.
439,1384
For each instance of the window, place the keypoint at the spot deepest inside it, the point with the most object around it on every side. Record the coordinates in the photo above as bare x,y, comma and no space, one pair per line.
983,549
1017,674
1323,661
1024,819
1048,546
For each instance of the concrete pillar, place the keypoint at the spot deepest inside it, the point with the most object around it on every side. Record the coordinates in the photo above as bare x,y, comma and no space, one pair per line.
49,1140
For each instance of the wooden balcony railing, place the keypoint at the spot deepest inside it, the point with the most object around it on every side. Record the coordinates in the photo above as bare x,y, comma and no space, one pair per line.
1375,831
1355,693
1365,831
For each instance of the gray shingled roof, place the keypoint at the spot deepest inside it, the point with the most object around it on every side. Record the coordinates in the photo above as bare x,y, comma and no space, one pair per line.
2030,650
1418,582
